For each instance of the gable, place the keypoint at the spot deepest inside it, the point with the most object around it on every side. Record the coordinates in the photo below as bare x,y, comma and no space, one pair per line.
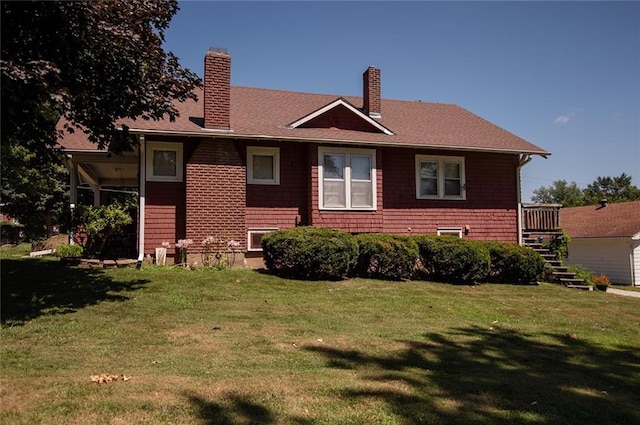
341,115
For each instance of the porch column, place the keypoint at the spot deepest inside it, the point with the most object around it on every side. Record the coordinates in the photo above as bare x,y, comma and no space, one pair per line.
96,195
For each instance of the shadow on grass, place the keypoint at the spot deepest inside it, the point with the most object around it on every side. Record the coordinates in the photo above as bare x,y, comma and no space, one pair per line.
492,376
36,287
232,409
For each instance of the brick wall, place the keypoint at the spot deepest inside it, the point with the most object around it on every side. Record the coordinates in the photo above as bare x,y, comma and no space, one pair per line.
216,193
217,90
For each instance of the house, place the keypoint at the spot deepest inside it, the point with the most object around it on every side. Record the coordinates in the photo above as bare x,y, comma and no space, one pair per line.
605,239
243,161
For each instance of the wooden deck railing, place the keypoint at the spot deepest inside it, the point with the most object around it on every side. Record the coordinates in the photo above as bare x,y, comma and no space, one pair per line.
541,217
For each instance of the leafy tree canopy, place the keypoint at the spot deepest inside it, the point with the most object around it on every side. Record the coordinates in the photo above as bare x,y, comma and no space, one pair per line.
613,189
92,63
560,192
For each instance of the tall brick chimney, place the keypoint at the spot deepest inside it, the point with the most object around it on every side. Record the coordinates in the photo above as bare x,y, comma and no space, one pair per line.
217,89
371,92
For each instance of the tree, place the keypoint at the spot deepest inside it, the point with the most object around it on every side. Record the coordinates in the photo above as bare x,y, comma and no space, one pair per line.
560,192
613,189
92,63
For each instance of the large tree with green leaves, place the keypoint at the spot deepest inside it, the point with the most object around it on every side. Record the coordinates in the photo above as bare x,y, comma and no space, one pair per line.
613,189
560,192
92,63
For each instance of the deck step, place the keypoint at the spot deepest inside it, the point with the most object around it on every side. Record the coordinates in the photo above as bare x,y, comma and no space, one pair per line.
550,257
564,275
571,281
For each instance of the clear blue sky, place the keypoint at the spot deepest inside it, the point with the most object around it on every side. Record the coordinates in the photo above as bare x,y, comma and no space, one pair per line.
562,75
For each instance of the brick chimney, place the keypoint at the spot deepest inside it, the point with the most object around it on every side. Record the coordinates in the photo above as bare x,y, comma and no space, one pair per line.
217,89
371,92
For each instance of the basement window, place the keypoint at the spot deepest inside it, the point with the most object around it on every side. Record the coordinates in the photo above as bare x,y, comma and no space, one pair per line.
254,238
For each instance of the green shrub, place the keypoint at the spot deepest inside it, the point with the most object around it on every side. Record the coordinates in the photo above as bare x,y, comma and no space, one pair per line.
582,273
388,257
511,263
69,250
310,253
453,260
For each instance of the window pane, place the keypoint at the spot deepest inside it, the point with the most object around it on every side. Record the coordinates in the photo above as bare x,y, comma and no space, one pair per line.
451,170
164,163
333,193
263,167
428,187
333,166
428,170
452,187
361,167
361,194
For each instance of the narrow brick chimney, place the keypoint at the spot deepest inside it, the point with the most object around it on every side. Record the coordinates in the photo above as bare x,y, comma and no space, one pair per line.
217,89
371,92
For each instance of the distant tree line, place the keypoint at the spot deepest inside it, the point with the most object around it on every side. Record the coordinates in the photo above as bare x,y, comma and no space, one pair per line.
613,189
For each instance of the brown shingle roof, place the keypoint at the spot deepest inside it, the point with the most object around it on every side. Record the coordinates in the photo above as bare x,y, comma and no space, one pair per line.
593,221
264,113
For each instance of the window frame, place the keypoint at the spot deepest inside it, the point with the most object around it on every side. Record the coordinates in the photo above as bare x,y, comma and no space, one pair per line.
264,231
347,152
441,160
263,151
449,231
164,146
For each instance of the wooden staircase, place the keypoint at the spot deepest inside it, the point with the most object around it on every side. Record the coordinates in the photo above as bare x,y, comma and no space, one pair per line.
561,273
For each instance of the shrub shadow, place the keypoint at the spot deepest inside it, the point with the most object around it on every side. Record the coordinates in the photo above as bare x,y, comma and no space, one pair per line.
497,376
232,409
36,287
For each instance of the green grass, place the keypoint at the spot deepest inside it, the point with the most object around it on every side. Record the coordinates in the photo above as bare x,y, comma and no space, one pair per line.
240,347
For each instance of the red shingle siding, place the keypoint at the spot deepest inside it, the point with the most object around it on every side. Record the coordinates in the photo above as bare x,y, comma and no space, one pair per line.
342,118
279,206
490,208
217,90
348,221
164,214
216,193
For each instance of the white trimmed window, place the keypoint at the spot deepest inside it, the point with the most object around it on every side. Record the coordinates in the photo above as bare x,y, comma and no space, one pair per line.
164,162
454,231
440,177
347,179
263,165
254,238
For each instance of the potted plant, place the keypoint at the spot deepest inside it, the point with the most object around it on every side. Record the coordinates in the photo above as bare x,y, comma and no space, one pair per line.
601,282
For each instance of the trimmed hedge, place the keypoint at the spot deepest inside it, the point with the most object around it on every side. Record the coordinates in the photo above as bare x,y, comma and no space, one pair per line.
511,263
310,253
453,260
388,257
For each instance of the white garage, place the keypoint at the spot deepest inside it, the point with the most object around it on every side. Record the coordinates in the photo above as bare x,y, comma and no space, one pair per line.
605,239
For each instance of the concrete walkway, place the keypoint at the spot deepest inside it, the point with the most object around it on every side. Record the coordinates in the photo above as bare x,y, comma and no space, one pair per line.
626,293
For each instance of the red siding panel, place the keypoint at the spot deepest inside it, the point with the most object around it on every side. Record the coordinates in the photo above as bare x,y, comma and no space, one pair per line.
164,214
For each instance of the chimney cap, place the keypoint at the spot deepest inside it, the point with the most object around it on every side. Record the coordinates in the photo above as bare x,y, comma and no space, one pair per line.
218,50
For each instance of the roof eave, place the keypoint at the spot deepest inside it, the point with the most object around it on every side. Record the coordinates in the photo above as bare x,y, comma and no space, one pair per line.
227,134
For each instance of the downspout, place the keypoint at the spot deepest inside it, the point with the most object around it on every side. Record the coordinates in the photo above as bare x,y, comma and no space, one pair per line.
523,160
142,178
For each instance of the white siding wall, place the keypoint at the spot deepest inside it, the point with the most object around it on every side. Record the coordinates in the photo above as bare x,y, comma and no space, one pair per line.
609,256
636,262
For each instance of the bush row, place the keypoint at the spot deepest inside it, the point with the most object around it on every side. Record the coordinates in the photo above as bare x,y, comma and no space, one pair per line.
311,253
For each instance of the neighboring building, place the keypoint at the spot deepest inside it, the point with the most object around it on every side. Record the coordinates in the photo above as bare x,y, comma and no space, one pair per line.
243,161
605,239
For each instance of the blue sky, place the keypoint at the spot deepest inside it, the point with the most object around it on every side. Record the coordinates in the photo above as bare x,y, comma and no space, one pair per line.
562,75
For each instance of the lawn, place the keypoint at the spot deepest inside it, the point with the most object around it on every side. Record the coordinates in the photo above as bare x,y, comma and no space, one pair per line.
241,347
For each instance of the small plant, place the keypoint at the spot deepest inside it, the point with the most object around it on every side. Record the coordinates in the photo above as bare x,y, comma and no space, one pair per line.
601,282
582,273
67,250
182,245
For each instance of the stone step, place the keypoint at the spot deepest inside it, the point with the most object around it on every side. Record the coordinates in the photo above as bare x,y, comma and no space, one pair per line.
583,287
